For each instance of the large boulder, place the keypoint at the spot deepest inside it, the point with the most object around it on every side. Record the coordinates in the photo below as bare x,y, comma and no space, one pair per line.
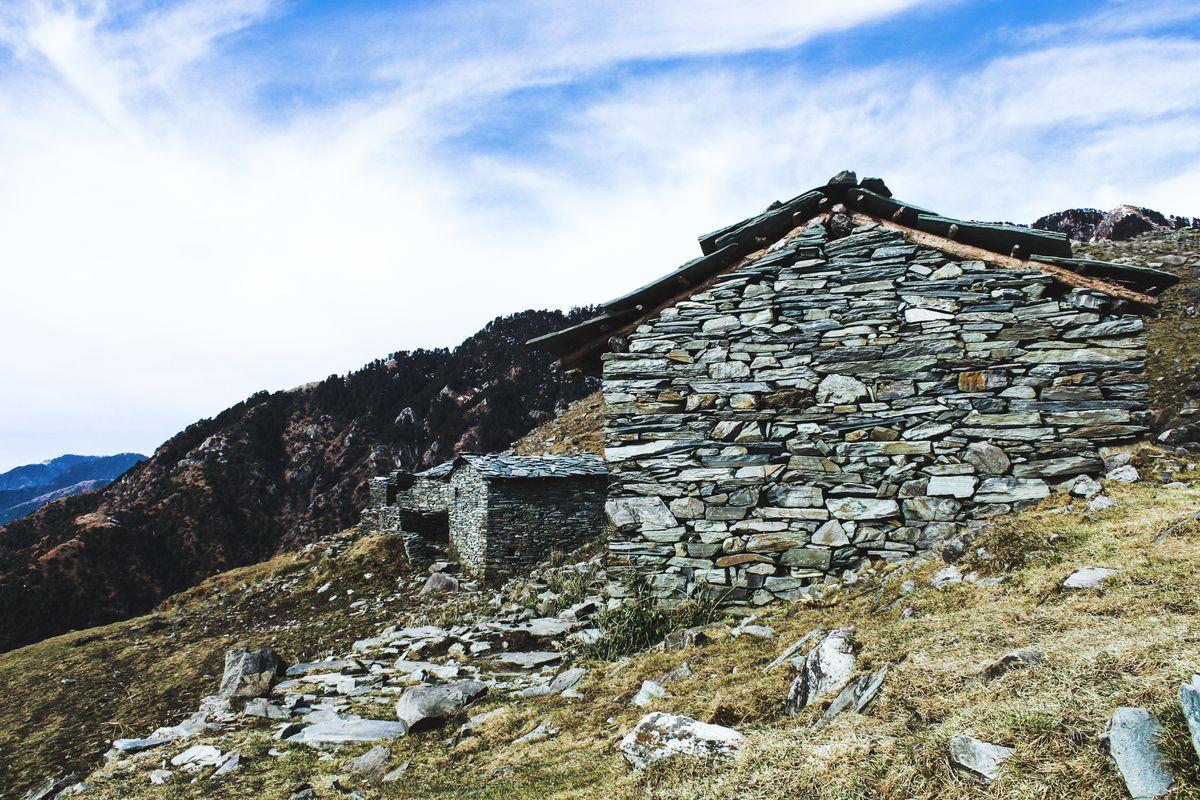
826,670
250,673
424,707
660,736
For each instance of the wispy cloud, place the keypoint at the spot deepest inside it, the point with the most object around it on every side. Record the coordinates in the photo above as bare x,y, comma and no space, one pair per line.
176,235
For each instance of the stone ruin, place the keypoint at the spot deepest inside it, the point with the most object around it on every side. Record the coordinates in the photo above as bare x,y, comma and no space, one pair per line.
847,377
498,514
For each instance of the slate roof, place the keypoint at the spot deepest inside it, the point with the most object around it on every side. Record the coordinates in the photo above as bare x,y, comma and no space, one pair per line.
495,466
726,248
440,471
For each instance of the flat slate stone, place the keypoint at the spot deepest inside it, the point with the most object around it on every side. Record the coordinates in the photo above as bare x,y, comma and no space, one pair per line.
1131,737
660,736
345,731
1189,701
978,759
1088,578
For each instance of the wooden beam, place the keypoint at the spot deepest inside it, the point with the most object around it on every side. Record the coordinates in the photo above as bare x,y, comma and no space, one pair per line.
971,253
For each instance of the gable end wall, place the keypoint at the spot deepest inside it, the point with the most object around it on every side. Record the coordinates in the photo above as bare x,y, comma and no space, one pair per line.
801,415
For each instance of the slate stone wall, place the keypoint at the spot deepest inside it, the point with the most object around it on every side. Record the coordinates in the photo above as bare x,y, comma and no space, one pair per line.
853,398
468,501
528,519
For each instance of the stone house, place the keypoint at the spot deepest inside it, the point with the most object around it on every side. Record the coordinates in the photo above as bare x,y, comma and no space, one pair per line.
498,514
846,377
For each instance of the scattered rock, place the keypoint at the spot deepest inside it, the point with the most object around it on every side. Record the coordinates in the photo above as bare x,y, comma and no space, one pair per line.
540,733
51,787
250,673
440,582
858,694
425,707
345,730
371,766
649,692
826,670
1086,486
977,759
1017,659
197,757
794,648
1124,474
677,673
529,660
138,745
660,736
230,764
947,576
1189,701
1088,578
1131,737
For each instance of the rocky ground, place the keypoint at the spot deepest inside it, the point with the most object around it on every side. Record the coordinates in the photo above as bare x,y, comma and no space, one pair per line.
1047,661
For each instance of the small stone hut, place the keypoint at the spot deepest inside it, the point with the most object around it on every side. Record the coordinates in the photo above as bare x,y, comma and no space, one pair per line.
847,376
499,514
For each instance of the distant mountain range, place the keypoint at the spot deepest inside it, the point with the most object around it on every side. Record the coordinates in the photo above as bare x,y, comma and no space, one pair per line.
24,490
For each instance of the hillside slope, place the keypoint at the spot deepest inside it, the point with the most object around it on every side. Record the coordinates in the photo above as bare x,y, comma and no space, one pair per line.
1128,642
24,490
269,474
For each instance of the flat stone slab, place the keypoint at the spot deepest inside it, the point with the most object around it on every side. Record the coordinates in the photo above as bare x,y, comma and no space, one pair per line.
660,736
137,745
1189,701
530,660
977,759
1132,736
1088,578
344,731
327,665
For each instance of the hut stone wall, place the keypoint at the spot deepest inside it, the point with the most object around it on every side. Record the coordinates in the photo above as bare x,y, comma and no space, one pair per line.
848,399
539,517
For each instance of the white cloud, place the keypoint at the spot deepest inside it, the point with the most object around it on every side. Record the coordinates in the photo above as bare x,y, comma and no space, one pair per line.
168,248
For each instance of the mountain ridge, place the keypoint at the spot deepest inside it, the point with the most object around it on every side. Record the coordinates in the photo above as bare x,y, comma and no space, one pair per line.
272,473
27,488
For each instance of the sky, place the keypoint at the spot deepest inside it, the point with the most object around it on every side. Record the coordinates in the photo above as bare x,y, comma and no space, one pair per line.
200,199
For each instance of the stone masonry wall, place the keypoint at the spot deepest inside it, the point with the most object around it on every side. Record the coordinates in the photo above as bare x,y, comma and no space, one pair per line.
849,399
527,519
468,499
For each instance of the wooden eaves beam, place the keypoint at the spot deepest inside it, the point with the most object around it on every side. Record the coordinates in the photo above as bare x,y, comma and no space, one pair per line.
971,253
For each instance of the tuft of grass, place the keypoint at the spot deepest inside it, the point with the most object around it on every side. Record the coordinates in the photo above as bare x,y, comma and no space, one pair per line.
640,622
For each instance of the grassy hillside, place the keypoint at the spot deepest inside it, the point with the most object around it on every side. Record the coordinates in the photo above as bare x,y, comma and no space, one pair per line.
1130,642
68,697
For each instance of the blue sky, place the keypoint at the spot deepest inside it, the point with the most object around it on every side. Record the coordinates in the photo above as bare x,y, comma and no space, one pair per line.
204,198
